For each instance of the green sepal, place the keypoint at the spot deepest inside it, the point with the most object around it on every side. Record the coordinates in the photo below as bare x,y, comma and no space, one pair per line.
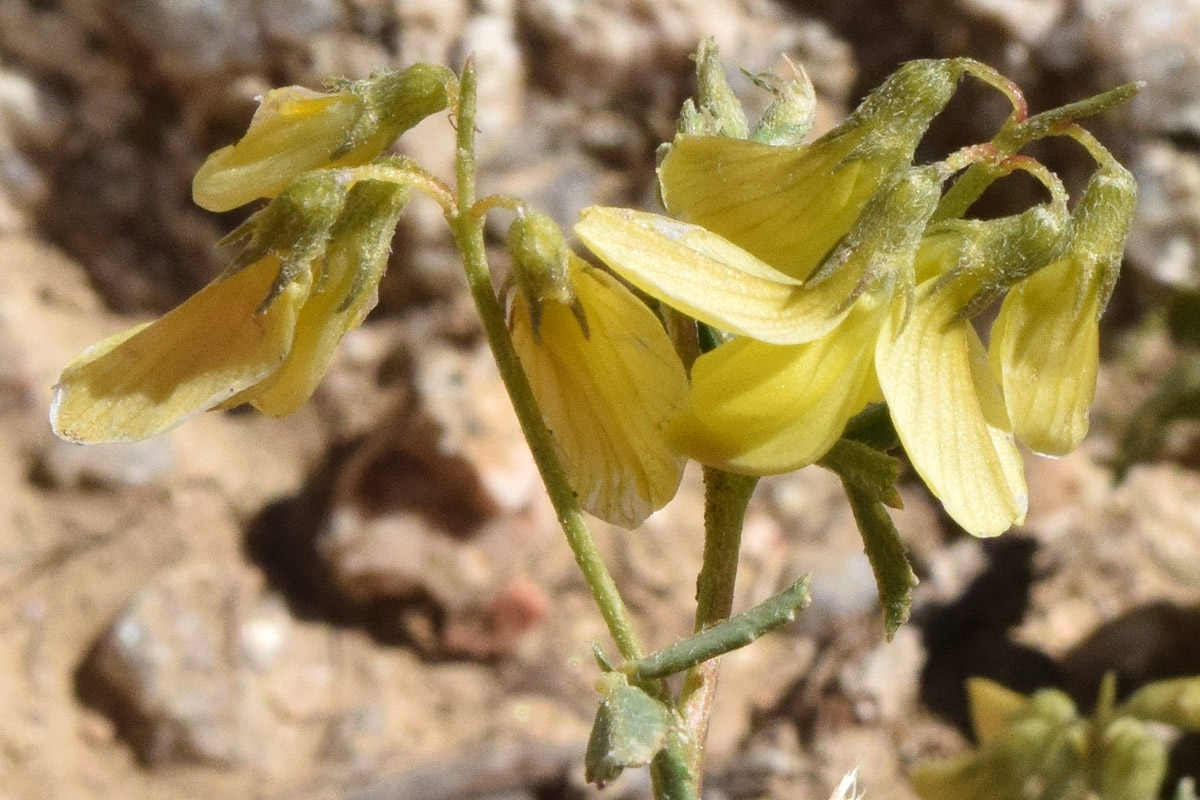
294,227
631,728
541,266
995,254
872,473
894,576
883,242
363,235
724,637
894,117
873,426
394,102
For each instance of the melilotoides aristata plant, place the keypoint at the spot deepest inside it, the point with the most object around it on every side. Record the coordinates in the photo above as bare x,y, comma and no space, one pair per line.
810,302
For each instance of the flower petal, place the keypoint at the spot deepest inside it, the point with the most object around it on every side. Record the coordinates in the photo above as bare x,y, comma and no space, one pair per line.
353,265
606,395
950,414
787,205
144,381
293,131
713,280
1045,346
763,409
790,205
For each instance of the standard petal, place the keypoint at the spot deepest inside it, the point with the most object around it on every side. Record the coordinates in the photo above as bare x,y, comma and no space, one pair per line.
763,409
787,205
144,381
1045,346
790,205
606,396
950,414
709,278
293,131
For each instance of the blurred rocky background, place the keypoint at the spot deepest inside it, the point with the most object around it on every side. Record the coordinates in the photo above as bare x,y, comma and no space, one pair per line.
371,599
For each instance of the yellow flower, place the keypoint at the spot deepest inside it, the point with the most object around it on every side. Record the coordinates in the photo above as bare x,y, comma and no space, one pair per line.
779,398
1045,345
789,205
605,375
261,333
296,130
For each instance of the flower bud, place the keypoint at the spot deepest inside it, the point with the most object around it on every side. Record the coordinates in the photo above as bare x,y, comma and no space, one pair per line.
540,265
790,116
296,130
717,110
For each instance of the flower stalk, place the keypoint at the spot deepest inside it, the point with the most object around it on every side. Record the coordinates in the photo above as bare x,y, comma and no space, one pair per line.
467,228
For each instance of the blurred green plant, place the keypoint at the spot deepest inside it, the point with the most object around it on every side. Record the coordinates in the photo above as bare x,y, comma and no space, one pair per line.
1040,748
1177,396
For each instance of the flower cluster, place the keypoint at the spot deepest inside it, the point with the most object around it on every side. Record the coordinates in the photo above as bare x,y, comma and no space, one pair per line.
263,331
835,275
844,274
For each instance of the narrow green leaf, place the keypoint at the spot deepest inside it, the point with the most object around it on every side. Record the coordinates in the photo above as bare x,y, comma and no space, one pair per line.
735,632
894,576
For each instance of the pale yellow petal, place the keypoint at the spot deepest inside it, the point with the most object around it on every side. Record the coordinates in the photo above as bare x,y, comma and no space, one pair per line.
1045,347
763,409
606,396
950,414
712,279
145,381
294,130
319,329
787,205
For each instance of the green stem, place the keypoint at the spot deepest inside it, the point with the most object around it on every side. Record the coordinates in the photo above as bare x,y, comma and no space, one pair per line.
726,496
468,235
1017,133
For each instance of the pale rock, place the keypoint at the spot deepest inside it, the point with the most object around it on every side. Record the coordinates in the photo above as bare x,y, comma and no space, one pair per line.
1156,41
209,669
464,395
1165,241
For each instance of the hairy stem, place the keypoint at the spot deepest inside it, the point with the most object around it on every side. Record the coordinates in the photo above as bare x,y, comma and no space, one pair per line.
468,235
726,496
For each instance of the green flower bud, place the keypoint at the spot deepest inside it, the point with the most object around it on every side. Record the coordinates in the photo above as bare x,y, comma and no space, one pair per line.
717,110
541,261
790,116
